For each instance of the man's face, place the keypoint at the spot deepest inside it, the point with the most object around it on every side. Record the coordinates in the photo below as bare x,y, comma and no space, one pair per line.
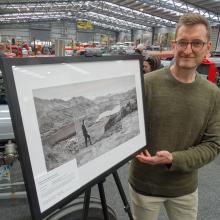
146,67
191,46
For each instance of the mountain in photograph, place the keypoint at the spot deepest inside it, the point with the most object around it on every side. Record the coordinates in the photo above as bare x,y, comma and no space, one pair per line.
108,120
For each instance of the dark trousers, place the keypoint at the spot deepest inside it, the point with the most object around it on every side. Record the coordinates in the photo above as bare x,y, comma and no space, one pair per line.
87,136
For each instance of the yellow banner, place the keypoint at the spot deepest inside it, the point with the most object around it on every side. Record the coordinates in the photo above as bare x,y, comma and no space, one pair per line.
104,39
84,25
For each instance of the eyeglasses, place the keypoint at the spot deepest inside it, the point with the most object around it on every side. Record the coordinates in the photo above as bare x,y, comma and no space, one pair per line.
195,45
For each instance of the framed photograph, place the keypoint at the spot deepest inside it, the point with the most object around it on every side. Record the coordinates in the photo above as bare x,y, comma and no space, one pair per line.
75,121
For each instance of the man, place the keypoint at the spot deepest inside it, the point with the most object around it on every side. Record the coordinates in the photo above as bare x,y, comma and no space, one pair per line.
183,129
85,133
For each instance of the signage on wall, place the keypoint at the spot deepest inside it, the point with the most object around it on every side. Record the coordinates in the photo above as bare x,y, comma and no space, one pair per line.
104,39
84,25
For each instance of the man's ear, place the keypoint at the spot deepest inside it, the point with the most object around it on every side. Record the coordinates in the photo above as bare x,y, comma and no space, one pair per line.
209,46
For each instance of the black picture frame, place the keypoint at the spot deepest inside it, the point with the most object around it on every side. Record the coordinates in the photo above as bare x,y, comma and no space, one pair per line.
111,86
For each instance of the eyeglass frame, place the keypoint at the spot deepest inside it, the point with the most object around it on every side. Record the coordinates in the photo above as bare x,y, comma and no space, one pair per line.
191,44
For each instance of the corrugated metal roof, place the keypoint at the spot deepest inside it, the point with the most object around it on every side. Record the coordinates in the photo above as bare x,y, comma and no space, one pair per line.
209,5
117,15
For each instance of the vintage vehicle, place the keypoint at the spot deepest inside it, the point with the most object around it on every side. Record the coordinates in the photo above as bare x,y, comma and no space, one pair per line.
119,46
215,53
93,52
164,55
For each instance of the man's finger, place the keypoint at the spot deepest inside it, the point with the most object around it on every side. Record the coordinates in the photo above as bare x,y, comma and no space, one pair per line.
146,152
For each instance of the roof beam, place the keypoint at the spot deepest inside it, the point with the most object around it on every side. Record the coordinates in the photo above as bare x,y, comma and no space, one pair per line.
183,7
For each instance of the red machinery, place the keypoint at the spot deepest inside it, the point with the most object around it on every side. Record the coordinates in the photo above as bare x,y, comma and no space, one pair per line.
208,70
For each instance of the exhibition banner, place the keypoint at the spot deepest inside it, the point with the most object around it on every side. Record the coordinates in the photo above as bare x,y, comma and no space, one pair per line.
84,25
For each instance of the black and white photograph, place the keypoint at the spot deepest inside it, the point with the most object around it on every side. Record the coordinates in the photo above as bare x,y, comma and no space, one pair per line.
75,121
86,120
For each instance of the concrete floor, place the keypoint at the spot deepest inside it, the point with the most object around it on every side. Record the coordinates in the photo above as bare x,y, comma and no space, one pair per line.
209,196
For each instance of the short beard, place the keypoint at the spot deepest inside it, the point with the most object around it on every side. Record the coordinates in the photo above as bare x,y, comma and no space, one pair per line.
188,67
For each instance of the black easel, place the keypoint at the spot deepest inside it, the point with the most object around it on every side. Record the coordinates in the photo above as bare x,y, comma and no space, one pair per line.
103,199
122,194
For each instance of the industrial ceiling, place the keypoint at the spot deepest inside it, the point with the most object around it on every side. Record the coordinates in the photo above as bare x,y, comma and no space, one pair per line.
118,15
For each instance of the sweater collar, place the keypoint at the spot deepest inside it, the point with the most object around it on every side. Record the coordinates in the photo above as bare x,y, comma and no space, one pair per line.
195,82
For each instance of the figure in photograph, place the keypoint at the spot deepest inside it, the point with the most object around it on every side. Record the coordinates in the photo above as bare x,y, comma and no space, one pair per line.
183,129
85,134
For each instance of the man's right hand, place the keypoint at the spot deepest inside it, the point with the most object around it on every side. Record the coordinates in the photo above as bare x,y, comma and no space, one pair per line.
161,157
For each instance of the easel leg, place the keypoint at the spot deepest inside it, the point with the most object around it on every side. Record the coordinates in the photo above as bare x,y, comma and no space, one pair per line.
122,194
86,204
103,201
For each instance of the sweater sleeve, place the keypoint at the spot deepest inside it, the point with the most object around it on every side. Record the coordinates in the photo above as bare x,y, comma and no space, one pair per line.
208,148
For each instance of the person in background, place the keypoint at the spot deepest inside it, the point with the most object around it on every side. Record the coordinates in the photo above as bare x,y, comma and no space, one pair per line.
139,49
183,129
151,63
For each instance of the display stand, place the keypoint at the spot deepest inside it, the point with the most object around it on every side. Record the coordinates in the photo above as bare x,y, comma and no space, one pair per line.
45,167
103,199
122,194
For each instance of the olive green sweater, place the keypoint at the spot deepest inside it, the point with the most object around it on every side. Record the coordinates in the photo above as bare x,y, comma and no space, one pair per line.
183,118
